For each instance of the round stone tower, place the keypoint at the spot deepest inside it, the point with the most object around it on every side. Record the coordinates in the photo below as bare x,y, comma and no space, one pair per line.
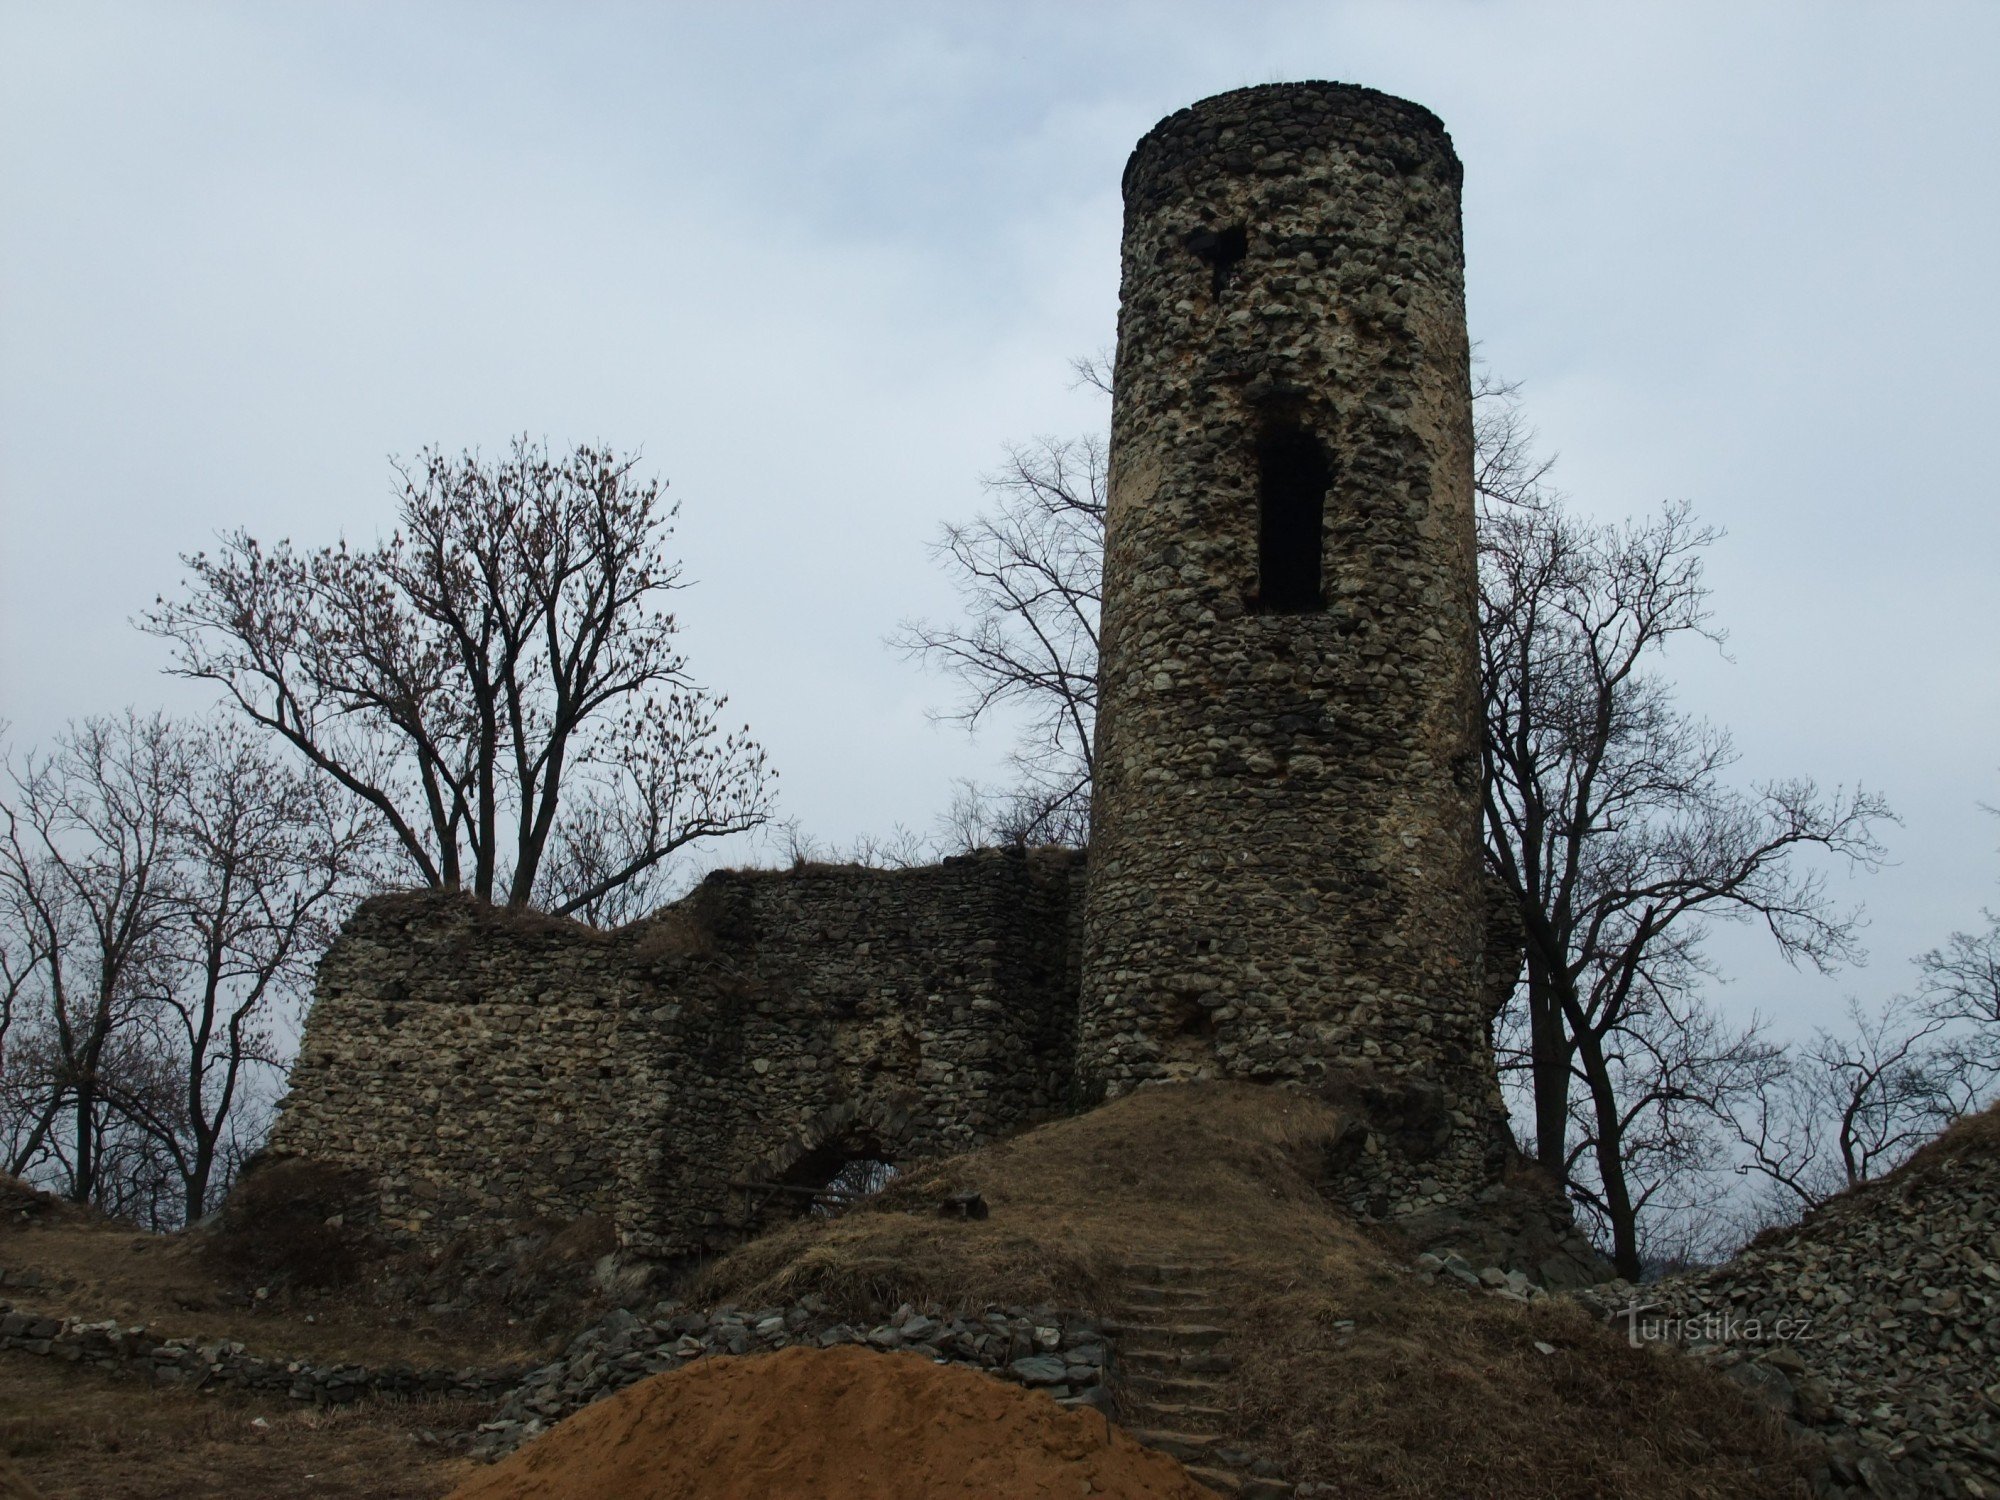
1284,865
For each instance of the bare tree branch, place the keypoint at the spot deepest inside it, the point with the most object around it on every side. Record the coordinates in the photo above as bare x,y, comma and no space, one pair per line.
1029,571
509,641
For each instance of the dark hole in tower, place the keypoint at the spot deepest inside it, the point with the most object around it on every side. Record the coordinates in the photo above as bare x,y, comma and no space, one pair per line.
1220,250
1292,480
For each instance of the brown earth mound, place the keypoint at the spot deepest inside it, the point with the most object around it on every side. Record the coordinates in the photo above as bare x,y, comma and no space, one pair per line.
831,1424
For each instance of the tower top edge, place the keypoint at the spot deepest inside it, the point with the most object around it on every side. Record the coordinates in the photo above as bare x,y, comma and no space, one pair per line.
1274,115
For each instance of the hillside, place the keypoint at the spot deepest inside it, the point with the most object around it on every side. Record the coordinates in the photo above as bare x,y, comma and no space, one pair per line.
1262,1321
1255,1332
1875,1323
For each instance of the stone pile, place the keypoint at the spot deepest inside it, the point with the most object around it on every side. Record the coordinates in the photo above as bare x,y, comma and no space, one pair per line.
1452,1267
1063,1354
1874,1327
203,1363
1510,1227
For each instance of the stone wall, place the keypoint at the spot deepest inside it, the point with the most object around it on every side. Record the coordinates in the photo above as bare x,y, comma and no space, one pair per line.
1285,875
211,1364
483,1065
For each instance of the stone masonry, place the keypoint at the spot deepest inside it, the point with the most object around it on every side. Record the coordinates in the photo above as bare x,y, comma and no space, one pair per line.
1284,863
1284,840
482,1065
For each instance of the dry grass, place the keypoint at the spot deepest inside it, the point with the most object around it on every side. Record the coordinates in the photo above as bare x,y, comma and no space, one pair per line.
1214,1172
1349,1371
78,1434
93,1268
1382,1387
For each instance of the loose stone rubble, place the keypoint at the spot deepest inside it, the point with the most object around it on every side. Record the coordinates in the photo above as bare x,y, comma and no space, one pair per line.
1525,1229
201,1363
1874,1327
1062,1353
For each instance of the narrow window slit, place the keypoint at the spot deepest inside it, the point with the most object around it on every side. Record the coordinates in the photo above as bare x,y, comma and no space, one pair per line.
1292,480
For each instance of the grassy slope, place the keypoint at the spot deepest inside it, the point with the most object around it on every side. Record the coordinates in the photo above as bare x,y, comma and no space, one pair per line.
1349,1371
80,1434
1429,1392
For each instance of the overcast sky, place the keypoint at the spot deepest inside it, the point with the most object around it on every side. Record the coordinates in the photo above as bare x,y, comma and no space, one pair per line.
821,260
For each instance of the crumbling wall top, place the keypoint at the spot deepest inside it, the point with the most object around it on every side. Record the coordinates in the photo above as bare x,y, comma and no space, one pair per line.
1254,123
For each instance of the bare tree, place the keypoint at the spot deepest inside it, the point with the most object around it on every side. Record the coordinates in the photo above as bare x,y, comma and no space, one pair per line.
164,889
1029,571
499,680
267,861
84,878
1960,987
1608,818
1508,472
1845,1107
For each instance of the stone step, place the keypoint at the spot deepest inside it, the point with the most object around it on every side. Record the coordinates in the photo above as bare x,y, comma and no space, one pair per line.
1171,1390
1162,1274
1157,1335
1180,1416
1173,1361
1139,1294
1234,1482
1186,1446
1183,1313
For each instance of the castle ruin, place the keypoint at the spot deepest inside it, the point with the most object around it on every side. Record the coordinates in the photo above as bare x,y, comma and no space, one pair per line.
1283,881
1285,820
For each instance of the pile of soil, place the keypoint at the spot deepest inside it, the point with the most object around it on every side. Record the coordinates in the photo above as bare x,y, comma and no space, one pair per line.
831,1424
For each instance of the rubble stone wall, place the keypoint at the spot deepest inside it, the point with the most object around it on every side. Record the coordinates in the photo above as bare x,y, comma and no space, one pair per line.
1874,1325
482,1065
1284,845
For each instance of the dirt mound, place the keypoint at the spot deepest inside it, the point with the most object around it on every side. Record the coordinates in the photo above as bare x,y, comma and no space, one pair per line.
830,1424
1338,1364
1204,1170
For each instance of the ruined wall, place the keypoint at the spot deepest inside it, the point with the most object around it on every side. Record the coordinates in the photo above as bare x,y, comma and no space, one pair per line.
1284,839
482,1065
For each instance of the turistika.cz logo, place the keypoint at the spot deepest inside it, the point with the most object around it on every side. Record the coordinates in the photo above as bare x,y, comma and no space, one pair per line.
1710,1328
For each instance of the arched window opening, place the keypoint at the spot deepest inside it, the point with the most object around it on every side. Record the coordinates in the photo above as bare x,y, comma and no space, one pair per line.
1292,480
826,1181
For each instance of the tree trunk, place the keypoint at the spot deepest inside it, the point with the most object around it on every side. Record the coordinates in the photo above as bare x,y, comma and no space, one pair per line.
1549,1044
1610,1152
